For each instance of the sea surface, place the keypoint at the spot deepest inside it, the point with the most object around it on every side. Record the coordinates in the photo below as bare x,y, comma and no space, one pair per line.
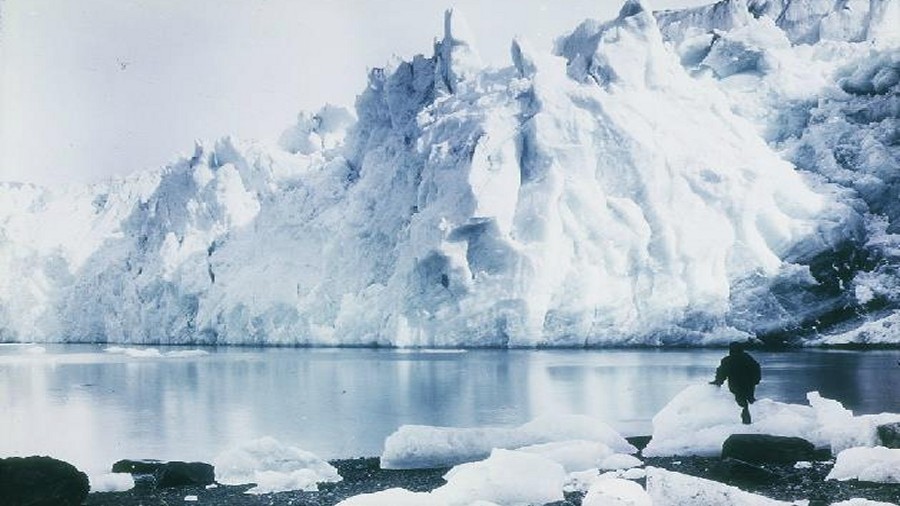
94,404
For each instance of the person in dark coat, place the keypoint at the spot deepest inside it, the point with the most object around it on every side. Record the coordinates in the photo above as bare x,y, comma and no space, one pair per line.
743,374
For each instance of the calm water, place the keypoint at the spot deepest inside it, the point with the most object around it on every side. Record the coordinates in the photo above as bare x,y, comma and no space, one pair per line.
92,408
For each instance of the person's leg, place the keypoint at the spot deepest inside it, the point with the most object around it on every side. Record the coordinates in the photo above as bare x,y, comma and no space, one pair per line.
742,399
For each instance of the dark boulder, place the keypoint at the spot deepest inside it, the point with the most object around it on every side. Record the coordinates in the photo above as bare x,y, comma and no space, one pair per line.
763,448
41,481
167,474
639,442
737,472
137,466
179,474
889,435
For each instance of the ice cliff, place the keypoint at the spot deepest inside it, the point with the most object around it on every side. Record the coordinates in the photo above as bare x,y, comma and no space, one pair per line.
678,177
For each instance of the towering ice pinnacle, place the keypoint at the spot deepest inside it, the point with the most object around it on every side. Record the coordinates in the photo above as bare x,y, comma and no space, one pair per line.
627,189
457,58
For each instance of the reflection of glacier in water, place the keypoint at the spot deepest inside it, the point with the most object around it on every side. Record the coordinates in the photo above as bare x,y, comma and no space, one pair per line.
81,404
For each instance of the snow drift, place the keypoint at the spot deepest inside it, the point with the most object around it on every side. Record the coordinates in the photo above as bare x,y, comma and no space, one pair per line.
687,177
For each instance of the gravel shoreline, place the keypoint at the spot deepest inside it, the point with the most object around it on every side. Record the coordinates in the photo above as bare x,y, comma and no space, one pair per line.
363,475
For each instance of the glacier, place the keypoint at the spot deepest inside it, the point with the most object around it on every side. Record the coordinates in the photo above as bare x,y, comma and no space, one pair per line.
683,177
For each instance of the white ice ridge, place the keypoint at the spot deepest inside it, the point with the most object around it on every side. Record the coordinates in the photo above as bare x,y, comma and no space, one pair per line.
700,418
640,185
577,442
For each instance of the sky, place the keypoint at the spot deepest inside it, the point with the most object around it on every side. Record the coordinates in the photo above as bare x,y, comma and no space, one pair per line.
92,89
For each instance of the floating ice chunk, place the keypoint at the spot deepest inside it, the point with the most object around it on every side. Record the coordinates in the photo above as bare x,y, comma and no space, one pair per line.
668,488
616,492
154,352
506,477
111,482
134,352
878,464
274,467
35,350
418,446
186,353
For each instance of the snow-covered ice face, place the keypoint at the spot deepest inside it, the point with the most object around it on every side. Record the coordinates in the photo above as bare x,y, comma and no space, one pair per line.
630,188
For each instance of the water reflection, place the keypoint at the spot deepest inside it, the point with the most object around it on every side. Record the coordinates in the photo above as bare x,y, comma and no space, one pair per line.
92,408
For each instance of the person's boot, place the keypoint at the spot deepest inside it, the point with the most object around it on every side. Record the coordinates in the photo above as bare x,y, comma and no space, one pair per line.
745,416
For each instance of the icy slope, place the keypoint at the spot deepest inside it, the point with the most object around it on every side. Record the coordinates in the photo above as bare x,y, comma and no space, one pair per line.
635,187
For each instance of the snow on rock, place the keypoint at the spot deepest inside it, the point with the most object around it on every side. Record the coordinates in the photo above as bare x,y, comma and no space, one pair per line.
273,467
700,418
577,442
637,186
878,464
616,492
667,488
111,482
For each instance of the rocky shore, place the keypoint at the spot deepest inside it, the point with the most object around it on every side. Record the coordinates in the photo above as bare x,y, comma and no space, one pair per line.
787,482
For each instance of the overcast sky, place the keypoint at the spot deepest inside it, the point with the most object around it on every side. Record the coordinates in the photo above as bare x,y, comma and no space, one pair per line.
95,88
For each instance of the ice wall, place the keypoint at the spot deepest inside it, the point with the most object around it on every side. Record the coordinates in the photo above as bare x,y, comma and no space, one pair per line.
637,186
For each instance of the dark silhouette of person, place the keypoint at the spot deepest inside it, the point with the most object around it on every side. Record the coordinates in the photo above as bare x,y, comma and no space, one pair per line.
743,374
